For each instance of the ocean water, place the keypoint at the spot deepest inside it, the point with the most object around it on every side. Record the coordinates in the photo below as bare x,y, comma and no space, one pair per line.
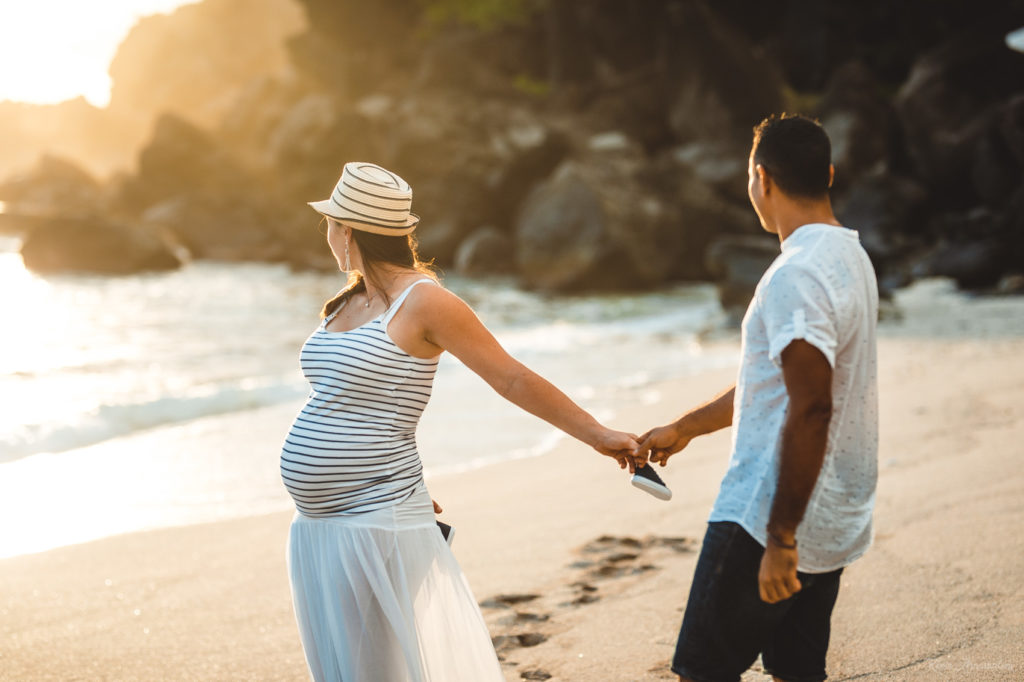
162,399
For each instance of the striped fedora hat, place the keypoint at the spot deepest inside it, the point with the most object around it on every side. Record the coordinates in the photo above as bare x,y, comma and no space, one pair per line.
370,198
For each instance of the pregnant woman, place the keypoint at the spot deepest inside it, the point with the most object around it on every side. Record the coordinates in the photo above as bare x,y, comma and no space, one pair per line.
378,594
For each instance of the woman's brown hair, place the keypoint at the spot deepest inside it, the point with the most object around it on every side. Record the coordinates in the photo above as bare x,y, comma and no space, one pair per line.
377,251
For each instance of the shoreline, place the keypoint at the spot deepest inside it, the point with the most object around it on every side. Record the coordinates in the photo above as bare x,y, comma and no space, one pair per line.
583,577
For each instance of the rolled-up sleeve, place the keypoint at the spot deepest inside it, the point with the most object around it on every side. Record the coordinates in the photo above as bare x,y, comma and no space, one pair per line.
796,305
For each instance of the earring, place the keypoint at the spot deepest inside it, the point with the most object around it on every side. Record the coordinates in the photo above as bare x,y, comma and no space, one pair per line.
348,260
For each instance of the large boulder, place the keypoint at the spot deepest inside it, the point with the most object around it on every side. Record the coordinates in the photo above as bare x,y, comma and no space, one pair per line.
439,239
737,263
217,227
526,153
190,186
889,211
718,165
614,220
562,235
67,244
53,185
183,159
945,107
997,163
861,124
313,141
488,251
255,112
470,163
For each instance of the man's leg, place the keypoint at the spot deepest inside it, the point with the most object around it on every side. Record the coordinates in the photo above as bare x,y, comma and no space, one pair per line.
797,649
726,624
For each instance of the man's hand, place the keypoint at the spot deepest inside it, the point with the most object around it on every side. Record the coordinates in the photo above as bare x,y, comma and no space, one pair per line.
437,507
663,442
777,576
622,447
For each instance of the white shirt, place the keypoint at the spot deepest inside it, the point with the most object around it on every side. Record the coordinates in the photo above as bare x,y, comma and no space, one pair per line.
821,289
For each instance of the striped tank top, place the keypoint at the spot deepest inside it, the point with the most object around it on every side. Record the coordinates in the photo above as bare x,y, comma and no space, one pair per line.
352,447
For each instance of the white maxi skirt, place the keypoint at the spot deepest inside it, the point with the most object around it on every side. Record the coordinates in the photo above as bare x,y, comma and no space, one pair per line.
379,597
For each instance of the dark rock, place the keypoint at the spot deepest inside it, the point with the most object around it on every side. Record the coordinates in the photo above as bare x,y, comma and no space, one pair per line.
975,225
945,108
720,166
255,113
811,41
70,244
54,185
227,228
1011,127
737,262
997,170
313,141
1012,231
1011,285
182,159
561,234
469,162
637,107
974,265
888,211
439,239
616,220
487,61
861,124
722,89
488,251
529,151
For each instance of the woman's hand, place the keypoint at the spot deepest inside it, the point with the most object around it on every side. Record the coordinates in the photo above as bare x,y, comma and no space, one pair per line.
622,447
437,507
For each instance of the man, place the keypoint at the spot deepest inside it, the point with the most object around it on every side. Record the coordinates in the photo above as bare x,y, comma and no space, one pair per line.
796,502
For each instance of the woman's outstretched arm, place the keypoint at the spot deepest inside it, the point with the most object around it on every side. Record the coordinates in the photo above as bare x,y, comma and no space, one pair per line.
449,324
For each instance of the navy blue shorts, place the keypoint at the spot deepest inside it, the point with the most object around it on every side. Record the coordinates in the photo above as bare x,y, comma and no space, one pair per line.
726,625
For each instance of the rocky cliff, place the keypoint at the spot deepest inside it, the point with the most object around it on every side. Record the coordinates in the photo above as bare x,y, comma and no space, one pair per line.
585,145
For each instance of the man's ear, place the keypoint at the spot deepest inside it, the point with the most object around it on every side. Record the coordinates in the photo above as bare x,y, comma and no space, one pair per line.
763,178
831,175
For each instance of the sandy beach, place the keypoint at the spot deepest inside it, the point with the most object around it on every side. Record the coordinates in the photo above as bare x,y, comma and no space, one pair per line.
582,577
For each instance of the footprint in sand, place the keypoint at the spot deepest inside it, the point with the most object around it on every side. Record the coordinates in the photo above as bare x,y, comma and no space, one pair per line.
504,601
609,557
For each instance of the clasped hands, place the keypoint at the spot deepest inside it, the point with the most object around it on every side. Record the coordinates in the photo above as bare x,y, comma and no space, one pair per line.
632,451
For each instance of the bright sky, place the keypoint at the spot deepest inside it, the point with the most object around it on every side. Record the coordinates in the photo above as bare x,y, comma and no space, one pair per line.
53,50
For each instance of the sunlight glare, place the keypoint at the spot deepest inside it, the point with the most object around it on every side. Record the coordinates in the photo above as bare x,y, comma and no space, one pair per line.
55,50
30,311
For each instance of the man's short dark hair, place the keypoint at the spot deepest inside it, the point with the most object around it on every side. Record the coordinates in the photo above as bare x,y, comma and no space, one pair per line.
796,153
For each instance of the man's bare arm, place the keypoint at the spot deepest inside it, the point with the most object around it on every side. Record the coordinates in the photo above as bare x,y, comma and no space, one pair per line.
808,378
665,441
